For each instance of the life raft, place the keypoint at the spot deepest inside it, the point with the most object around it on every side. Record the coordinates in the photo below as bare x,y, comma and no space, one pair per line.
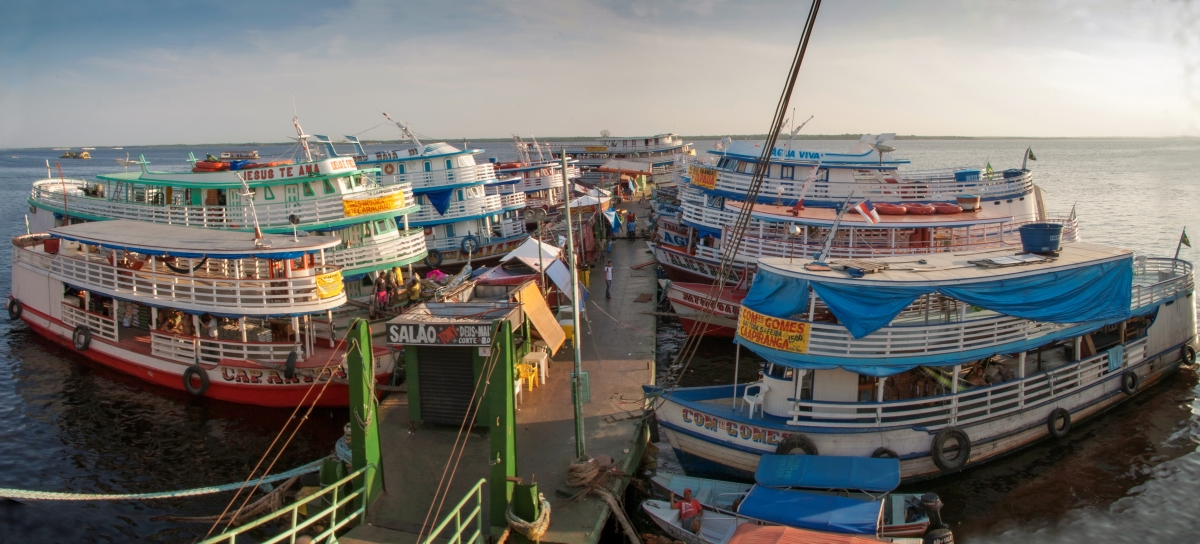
920,209
946,208
890,209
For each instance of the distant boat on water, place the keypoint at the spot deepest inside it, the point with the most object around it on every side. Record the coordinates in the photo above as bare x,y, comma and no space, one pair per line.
76,155
88,148
118,148
239,155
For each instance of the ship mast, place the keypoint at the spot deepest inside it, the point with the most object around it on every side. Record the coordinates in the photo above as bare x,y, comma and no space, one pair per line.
404,131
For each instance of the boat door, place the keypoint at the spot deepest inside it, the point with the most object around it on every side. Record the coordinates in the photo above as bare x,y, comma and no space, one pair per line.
291,196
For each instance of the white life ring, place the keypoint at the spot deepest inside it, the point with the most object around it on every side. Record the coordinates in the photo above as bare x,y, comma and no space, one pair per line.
389,169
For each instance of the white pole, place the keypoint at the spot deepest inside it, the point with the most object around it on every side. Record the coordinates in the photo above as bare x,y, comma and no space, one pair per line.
737,359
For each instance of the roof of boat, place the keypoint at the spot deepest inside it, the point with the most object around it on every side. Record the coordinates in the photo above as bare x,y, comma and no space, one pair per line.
751,151
181,241
751,533
825,216
813,511
878,475
425,152
334,167
951,268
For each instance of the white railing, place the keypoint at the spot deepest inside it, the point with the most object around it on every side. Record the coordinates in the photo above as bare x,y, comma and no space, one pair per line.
993,185
972,405
242,296
408,245
549,181
98,325
48,194
512,201
1159,279
188,349
512,227
474,207
479,173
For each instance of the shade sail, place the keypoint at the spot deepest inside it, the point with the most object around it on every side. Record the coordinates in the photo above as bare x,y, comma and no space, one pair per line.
440,200
875,475
811,511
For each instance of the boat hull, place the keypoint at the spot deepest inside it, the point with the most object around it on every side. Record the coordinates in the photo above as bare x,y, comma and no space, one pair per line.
680,266
688,300
485,254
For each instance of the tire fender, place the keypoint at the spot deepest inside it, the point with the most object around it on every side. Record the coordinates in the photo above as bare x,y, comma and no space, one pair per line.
14,309
1187,352
434,258
289,368
195,370
1052,422
884,453
81,337
1129,382
796,442
937,449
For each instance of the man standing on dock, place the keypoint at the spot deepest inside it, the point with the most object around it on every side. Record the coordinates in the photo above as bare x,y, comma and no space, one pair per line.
608,279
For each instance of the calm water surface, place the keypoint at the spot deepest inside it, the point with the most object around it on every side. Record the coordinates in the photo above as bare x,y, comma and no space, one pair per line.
69,425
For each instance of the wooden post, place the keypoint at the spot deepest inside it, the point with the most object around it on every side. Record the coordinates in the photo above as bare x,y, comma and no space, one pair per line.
364,425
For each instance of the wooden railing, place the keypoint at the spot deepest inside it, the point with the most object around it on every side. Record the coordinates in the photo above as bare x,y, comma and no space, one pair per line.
98,325
188,349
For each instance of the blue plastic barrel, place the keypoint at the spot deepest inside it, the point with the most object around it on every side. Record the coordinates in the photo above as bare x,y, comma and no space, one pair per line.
967,175
1041,237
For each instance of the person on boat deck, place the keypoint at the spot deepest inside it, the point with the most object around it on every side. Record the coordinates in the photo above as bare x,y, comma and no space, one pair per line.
209,325
173,321
689,511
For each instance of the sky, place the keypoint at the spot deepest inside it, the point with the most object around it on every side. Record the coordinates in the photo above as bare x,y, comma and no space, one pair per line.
115,72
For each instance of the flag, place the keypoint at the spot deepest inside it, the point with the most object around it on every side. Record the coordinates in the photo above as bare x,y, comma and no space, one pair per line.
988,170
1183,239
868,212
1030,153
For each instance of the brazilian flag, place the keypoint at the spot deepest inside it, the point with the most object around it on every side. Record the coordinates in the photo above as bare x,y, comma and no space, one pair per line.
1183,239
1031,155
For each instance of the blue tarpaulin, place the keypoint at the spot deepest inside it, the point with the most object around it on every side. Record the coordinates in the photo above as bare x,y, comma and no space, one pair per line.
440,200
871,474
811,511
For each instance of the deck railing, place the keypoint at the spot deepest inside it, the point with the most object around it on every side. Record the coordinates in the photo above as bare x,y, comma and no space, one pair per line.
479,173
100,325
971,405
921,189
48,194
408,246
188,349
512,201
468,524
485,205
330,519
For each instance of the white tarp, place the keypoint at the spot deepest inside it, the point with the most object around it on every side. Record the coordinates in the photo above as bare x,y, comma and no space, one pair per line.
528,253
561,276
588,200
626,167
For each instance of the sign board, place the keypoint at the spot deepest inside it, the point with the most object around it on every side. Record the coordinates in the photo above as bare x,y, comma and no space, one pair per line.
773,332
434,334
703,177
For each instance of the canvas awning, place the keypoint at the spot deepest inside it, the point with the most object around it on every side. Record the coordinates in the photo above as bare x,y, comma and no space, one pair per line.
812,511
751,533
540,315
870,474
534,254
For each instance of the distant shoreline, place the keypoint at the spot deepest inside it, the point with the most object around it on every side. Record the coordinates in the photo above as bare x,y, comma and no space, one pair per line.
852,137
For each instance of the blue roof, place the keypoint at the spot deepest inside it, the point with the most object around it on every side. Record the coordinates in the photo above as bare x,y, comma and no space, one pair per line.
811,511
828,472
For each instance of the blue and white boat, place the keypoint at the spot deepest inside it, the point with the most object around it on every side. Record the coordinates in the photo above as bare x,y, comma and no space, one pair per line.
943,362
465,214
655,157
539,176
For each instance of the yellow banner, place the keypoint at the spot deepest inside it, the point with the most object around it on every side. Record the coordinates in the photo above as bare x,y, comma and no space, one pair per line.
329,285
595,149
773,332
366,206
703,177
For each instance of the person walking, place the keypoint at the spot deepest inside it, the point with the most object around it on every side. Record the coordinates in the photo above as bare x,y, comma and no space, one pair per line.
608,280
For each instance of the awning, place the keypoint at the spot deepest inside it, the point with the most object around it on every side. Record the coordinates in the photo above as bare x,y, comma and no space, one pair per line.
190,242
811,511
540,316
870,474
534,254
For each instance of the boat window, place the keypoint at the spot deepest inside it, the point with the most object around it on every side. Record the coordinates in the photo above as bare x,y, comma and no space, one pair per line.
462,161
739,166
449,231
380,226
328,187
268,194
460,195
428,166
779,372
358,180
806,386
787,172
749,167
449,164
400,168
308,190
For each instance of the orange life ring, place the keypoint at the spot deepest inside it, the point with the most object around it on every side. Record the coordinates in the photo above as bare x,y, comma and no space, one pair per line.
920,209
946,208
889,209
389,168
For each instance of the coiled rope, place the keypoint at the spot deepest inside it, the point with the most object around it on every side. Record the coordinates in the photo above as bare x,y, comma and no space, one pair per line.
24,494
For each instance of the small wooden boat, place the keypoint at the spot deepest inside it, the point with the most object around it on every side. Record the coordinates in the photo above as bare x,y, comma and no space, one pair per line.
727,528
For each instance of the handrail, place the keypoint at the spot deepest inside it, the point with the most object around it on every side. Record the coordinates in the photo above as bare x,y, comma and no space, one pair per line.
931,188
456,515
484,205
478,173
290,533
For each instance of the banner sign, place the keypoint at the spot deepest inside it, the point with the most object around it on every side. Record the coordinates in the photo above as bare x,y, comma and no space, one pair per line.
439,334
703,177
773,332
367,206
329,285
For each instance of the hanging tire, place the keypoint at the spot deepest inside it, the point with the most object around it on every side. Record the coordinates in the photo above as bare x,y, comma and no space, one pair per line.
884,453
82,337
289,368
796,442
469,244
434,258
940,453
1187,352
652,424
1129,382
1052,422
15,309
196,389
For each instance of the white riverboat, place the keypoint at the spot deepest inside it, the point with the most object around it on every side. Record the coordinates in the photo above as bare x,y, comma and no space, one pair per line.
945,362
217,313
462,221
539,177
655,157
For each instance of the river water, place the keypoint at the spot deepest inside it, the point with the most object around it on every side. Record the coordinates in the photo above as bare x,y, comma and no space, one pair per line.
70,425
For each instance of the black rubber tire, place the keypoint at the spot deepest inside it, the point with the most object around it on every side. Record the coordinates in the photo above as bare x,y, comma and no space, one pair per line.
195,370
1187,352
1052,422
81,337
434,258
938,449
14,309
289,368
1129,382
884,453
940,535
470,247
652,425
794,442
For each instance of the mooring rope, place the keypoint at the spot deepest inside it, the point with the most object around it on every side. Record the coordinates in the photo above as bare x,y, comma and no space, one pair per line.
25,494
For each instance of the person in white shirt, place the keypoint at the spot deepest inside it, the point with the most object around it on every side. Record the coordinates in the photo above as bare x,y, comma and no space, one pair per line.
608,280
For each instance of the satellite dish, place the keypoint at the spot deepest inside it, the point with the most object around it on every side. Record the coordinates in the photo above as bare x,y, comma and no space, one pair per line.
605,133
879,146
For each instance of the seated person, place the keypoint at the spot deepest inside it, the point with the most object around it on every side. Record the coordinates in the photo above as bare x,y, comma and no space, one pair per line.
975,377
209,325
689,511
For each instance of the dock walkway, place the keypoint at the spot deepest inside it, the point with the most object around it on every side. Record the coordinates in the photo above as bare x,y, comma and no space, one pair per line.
618,354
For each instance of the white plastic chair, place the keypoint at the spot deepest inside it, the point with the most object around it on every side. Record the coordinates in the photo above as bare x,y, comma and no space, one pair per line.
518,398
756,400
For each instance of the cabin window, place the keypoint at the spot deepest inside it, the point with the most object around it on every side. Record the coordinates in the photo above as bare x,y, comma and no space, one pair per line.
749,167
787,172
460,195
462,161
449,164
268,194
358,180
449,231
308,191
380,226
428,166
328,187
739,166
400,168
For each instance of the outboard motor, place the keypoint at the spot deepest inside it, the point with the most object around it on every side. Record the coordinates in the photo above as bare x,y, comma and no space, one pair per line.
938,532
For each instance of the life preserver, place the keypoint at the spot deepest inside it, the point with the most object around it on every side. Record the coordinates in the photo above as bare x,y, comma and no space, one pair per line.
389,168
884,453
920,209
1129,382
1187,352
15,309
434,258
195,371
469,244
890,209
81,337
1052,422
937,449
289,368
946,208
796,441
